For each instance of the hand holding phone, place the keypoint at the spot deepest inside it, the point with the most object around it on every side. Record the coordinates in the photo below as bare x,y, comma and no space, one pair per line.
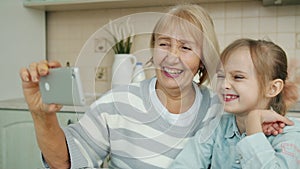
62,86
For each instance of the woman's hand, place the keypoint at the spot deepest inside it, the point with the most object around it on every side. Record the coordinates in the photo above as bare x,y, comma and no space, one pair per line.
274,128
47,129
267,121
31,90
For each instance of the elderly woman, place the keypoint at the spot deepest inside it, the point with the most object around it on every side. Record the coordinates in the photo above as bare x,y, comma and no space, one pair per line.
142,125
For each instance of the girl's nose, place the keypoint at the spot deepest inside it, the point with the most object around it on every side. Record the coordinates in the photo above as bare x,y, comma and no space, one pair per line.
226,84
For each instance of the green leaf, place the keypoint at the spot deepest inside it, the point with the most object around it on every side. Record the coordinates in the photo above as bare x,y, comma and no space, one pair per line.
122,46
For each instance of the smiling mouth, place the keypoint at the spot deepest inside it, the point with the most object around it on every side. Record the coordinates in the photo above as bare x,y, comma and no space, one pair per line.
172,72
229,97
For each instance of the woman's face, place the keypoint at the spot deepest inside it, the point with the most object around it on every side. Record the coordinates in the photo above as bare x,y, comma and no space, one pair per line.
176,58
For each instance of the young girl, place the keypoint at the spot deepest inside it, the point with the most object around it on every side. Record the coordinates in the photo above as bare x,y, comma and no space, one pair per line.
254,88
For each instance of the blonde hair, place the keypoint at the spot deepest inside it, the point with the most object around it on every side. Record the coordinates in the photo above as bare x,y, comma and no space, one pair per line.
195,20
270,63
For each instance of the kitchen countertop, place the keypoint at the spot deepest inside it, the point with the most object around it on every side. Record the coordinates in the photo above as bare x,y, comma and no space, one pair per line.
295,110
20,104
296,107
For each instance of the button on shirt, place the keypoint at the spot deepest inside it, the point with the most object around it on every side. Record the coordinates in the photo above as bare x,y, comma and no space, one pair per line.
227,148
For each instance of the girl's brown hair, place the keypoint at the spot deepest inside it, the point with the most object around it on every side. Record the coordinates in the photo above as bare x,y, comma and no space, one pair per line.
270,63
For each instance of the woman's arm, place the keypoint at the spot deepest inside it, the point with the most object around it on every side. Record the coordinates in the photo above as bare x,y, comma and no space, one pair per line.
50,136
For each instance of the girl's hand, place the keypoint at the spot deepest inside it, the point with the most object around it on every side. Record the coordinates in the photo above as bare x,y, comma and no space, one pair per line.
31,90
265,120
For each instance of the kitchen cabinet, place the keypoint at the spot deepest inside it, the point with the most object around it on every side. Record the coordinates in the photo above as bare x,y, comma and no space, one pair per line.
59,5
19,148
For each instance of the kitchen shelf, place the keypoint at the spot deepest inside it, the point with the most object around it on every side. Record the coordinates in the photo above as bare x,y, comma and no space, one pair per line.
62,5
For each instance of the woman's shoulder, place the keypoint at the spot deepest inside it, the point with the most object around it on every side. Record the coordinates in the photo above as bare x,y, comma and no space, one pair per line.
117,94
208,93
206,90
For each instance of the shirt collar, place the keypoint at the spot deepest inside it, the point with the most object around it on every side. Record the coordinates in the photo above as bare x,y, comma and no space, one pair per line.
232,128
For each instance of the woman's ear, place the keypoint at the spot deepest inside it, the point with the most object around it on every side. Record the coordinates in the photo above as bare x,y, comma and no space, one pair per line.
275,88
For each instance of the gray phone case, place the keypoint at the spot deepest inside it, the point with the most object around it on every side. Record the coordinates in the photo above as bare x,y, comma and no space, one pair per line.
62,86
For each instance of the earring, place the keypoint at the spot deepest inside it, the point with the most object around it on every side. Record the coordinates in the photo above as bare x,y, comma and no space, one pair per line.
200,72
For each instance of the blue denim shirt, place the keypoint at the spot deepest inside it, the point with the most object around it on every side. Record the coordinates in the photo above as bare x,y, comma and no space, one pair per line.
227,149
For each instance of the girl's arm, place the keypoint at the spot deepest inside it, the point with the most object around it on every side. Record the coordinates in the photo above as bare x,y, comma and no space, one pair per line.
257,118
258,151
281,151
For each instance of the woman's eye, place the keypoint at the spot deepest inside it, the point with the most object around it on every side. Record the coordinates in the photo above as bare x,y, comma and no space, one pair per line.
238,77
220,76
186,48
163,44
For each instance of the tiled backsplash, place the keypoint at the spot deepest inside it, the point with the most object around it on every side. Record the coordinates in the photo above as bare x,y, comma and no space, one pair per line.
68,31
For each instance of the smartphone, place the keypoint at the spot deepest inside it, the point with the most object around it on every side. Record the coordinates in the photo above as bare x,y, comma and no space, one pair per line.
62,86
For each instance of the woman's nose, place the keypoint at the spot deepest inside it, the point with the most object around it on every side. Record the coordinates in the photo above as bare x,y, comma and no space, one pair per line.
174,52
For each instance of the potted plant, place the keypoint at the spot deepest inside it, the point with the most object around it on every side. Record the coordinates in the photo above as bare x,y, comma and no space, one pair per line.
122,46
124,63
122,37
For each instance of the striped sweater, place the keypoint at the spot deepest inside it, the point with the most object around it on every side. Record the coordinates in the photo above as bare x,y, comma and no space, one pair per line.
125,125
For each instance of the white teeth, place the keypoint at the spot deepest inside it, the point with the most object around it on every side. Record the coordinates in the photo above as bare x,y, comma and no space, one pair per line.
172,71
230,96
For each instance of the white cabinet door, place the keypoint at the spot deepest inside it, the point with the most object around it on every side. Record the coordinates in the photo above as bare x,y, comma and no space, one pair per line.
18,142
18,146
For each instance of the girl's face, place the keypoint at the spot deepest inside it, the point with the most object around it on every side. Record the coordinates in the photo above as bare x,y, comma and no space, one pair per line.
238,85
176,58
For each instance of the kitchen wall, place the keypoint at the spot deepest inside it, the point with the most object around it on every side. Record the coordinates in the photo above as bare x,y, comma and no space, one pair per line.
22,42
68,31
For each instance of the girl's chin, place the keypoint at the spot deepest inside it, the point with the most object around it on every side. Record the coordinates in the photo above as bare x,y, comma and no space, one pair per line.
234,111
230,109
